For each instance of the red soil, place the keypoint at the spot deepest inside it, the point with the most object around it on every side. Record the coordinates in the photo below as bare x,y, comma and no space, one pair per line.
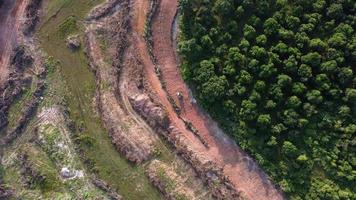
238,166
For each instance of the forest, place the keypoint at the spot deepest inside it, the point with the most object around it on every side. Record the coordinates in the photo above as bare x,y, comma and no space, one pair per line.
279,77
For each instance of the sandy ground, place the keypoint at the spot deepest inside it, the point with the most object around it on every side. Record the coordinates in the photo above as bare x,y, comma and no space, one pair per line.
238,166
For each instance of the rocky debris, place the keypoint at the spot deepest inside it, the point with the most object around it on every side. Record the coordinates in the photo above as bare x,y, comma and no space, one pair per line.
73,42
168,181
17,80
21,59
106,188
67,173
26,114
222,188
128,135
32,16
105,9
5,193
30,173
152,113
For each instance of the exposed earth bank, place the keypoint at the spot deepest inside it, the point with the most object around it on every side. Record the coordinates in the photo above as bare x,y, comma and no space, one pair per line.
140,97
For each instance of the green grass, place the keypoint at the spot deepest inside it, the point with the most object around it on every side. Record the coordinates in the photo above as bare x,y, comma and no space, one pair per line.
20,102
78,92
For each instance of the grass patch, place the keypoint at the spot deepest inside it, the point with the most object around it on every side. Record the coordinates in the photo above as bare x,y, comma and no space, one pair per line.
44,168
68,27
77,88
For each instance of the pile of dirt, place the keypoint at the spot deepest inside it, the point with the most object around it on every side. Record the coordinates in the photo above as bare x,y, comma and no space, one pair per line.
104,10
129,137
221,186
106,188
73,42
154,115
171,184
32,16
17,80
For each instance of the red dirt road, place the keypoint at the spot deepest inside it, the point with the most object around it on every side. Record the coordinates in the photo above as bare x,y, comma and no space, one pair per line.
238,166
9,23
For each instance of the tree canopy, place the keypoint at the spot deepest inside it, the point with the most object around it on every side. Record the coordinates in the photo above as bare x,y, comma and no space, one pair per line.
284,73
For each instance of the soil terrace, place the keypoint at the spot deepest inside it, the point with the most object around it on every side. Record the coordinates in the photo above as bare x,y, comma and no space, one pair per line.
244,173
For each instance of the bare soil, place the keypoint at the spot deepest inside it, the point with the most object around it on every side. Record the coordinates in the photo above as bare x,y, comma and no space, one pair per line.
9,23
242,171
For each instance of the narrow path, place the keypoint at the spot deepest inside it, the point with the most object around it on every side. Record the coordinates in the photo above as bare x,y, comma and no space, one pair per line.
238,166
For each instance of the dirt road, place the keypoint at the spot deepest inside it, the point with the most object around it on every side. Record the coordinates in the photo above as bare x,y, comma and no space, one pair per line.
10,13
238,166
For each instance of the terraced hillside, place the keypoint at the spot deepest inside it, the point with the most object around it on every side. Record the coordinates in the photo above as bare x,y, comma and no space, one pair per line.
94,107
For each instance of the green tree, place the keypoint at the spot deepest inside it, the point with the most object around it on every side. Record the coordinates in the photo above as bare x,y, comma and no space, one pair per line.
214,89
264,120
289,149
314,96
271,26
313,59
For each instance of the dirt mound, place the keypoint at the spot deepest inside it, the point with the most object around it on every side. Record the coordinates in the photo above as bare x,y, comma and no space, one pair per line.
152,113
128,134
103,10
171,184
32,15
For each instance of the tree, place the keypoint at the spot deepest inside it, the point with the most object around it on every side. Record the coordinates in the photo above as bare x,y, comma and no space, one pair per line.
313,59
260,86
350,95
259,53
249,32
281,48
284,80
205,71
338,40
294,102
317,44
323,81
335,11
289,149
245,77
214,89
264,120
291,64
292,22
305,72
261,40
298,88
345,75
236,57
223,7
248,110
290,118
319,5
314,96
329,67
271,26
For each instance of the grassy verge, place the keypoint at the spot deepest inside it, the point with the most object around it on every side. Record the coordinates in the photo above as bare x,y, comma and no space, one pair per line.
64,19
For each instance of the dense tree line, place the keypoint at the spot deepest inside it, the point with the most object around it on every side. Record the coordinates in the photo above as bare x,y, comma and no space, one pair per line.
279,75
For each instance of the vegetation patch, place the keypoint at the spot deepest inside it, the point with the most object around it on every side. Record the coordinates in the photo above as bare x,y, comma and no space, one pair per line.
73,85
68,27
279,76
